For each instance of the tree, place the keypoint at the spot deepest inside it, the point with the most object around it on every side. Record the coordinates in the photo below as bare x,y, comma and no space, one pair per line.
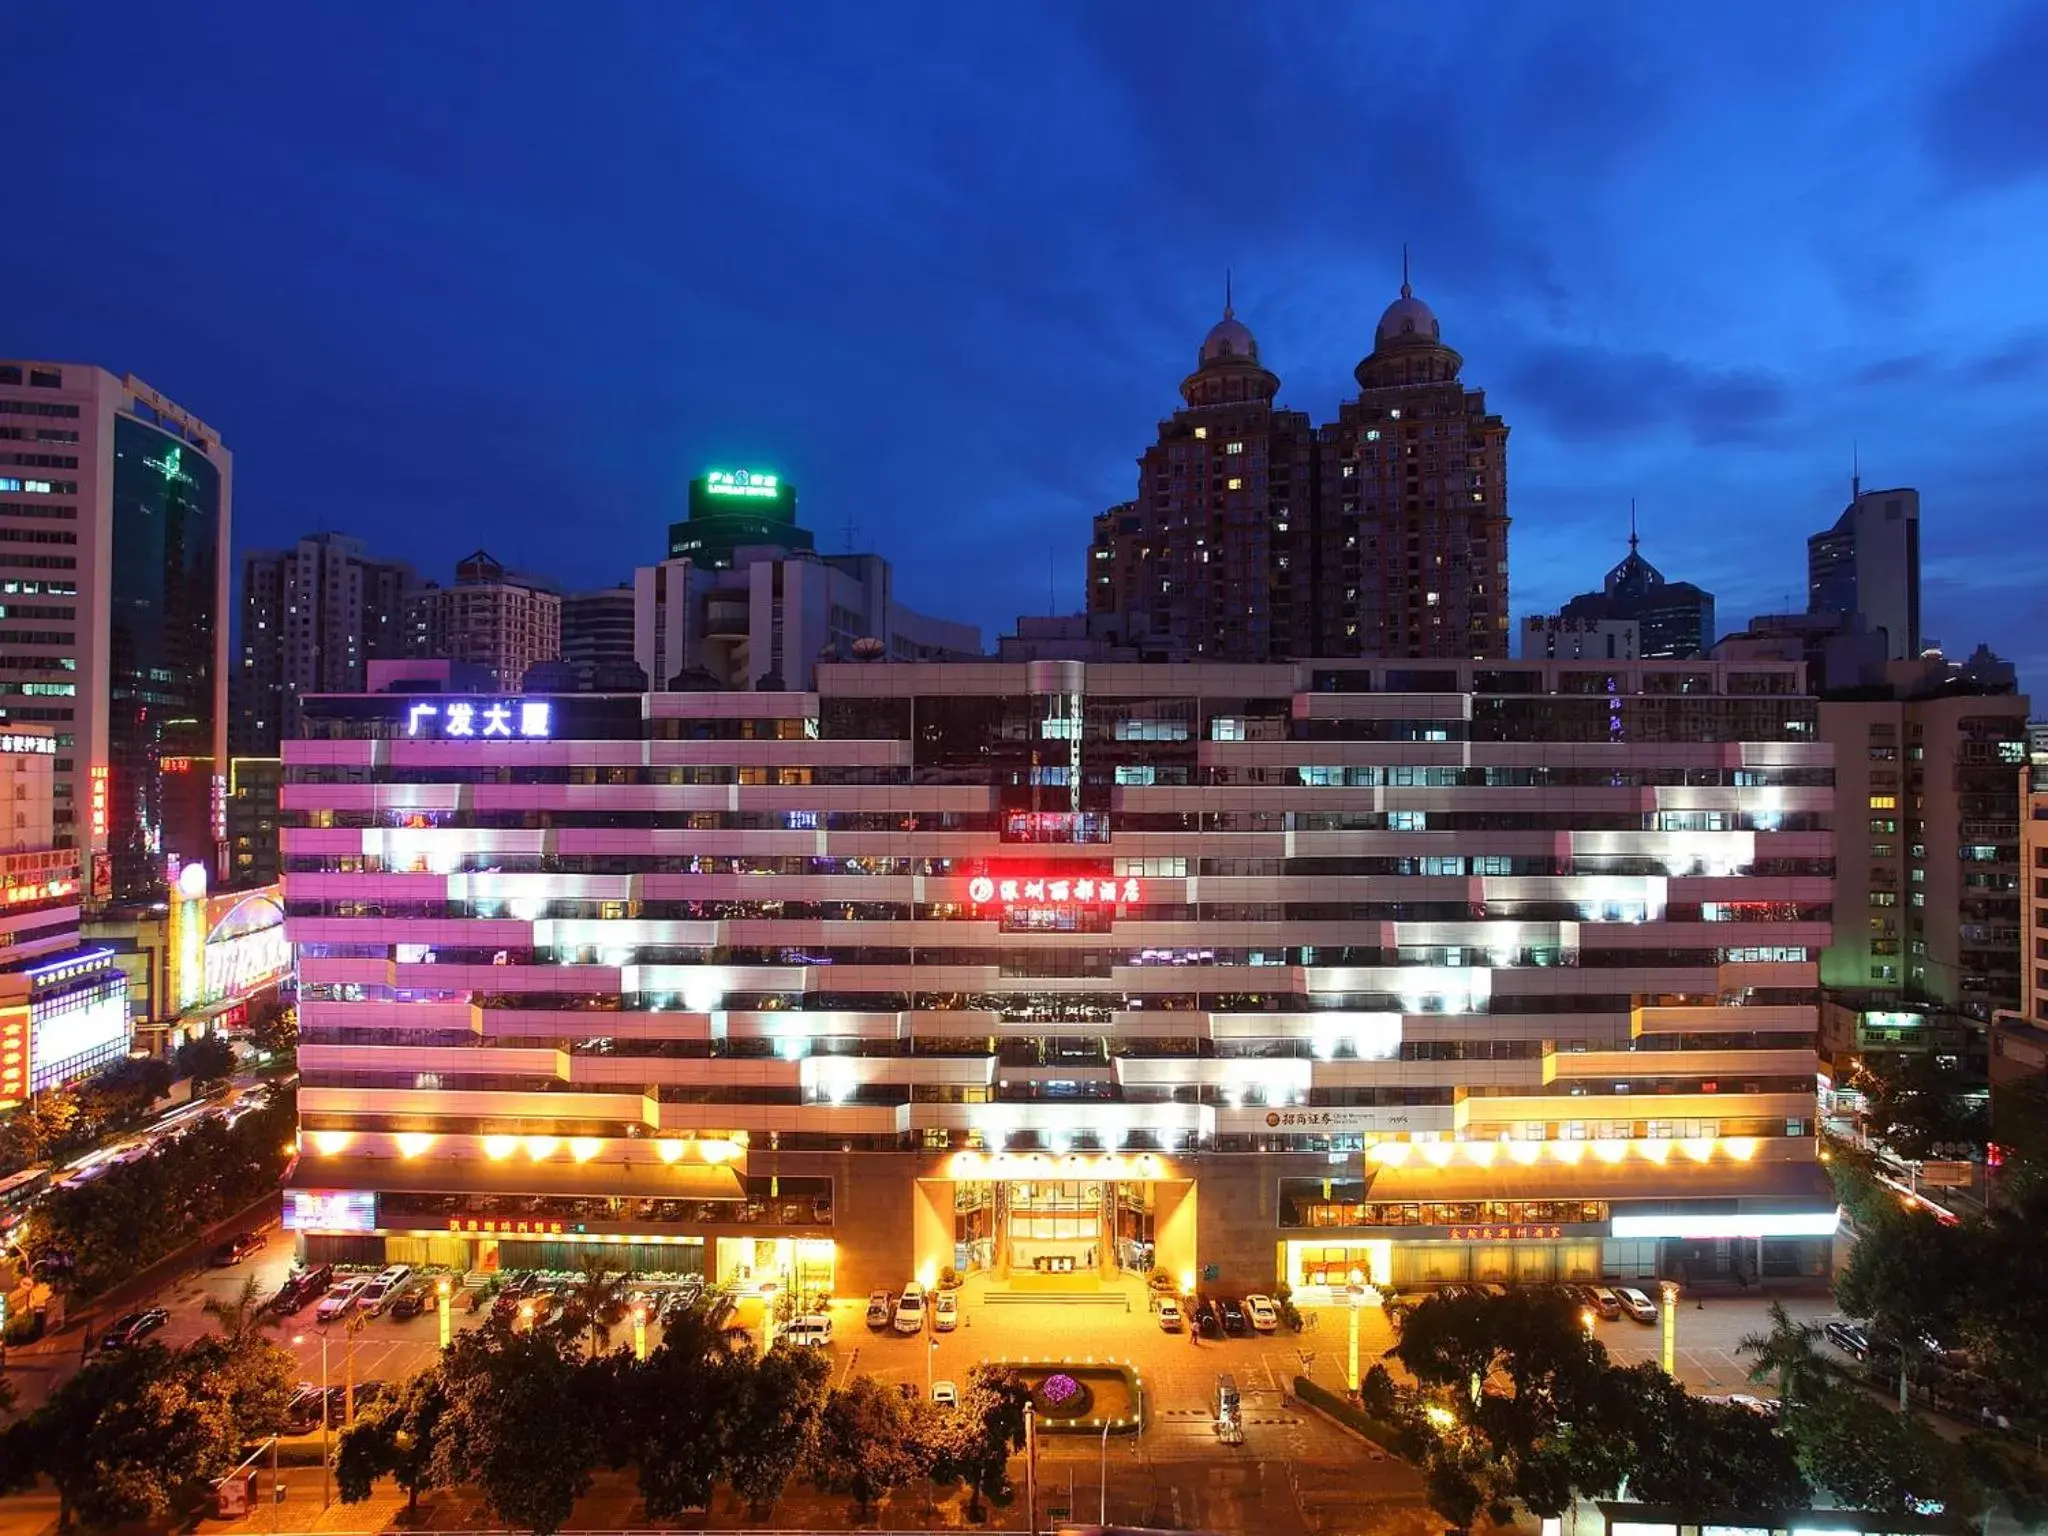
1920,1106
1788,1355
1868,1457
504,1428
681,1406
274,1030
207,1059
593,1304
125,1437
399,1438
987,1429
864,1445
773,1424
1908,1274
1714,1456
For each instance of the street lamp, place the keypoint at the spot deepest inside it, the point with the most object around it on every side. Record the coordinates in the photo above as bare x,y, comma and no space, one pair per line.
1356,1292
1586,1322
1670,1289
639,1330
1102,1509
297,1339
441,1294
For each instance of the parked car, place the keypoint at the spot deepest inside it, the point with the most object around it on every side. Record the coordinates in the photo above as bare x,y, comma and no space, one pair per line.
1207,1318
302,1413
1768,1406
1264,1314
811,1332
385,1289
1605,1302
300,1288
1233,1315
131,1330
881,1308
680,1300
1636,1304
910,1309
1169,1315
512,1292
1850,1339
236,1249
946,1311
341,1300
945,1394
410,1303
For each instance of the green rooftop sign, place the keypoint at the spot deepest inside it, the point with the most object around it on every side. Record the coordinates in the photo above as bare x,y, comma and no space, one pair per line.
741,482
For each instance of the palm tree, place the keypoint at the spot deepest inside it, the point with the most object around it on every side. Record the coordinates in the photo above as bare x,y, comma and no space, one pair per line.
240,1317
1787,1353
595,1302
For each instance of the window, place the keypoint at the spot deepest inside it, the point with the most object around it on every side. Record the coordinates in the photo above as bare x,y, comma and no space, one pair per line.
1408,821
1234,483
1234,448
45,378
1884,802
1884,824
1201,432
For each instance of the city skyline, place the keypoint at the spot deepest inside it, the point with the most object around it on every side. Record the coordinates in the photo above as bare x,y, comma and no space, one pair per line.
528,327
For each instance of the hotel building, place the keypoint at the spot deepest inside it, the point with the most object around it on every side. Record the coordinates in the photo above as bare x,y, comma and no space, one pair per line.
1253,973
115,508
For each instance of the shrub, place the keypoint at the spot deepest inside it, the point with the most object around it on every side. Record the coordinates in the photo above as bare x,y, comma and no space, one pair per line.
949,1278
1401,1439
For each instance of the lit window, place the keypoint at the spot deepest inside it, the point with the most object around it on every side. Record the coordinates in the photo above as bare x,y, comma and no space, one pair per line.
1201,431
1884,802
1234,448
1394,414
1234,483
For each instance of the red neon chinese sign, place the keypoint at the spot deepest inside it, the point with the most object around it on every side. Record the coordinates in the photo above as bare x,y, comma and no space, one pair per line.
1084,890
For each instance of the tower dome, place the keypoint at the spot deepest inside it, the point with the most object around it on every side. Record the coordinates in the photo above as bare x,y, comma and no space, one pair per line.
1407,319
1229,337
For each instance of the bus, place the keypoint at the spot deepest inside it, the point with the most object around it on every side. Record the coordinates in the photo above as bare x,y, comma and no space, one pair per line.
18,1194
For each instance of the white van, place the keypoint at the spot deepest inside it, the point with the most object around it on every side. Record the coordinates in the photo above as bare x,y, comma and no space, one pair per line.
385,1289
910,1309
812,1332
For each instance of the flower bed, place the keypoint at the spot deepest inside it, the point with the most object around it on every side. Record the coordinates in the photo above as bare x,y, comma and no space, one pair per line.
1082,1396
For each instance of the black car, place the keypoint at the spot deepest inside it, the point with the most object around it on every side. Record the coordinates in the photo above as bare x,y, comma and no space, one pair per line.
1850,1339
680,1300
302,1413
411,1303
236,1249
301,1288
1208,1321
131,1330
1233,1315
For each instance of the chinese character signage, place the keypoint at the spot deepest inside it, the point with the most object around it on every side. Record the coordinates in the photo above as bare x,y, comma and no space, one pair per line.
330,1210
1047,890
503,1228
507,719
741,482
1504,1233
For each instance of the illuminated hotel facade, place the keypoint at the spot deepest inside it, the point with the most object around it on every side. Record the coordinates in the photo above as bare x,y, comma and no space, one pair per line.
1250,973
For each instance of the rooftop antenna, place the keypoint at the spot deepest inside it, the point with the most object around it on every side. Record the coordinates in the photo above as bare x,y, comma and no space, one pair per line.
1631,525
1406,291
1226,293
1855,472
851,530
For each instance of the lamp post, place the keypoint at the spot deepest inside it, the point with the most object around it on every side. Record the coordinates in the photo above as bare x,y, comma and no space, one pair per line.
348,1367
1355,1293
1102,1509
1030,1471
1586,1322
441,1295
1670,1290
300,1338
640,1330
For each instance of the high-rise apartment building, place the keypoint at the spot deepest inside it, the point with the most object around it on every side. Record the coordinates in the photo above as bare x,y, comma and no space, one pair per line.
1674,619
1214,558
597,634
312,616
1928,873
1412,537
1868,563
1255,537
1253,973
491,618
114,525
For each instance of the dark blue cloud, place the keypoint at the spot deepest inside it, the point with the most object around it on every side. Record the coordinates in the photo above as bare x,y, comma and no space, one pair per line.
510,274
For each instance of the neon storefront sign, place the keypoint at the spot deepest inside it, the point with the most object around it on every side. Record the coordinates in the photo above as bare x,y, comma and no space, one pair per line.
330,1210
741,482
533,719
1084,890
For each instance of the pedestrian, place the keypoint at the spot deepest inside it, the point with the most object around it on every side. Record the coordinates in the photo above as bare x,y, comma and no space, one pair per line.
1195,1332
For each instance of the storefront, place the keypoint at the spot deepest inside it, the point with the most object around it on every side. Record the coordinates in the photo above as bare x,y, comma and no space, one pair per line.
753,1266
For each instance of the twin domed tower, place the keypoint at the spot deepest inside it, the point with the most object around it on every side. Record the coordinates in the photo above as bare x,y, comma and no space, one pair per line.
1256,536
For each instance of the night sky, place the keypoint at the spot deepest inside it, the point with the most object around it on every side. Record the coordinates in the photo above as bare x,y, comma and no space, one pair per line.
456,274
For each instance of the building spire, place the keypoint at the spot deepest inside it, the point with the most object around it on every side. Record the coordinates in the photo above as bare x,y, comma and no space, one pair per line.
1632,541
1855,473
1226,294
1406,291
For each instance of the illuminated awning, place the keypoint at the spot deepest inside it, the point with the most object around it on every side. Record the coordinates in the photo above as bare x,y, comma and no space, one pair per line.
640,1180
